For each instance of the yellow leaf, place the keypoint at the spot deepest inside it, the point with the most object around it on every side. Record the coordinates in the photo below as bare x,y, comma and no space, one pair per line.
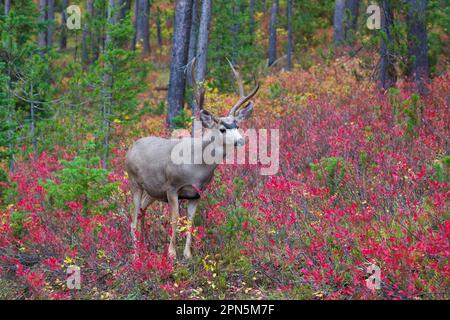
68,260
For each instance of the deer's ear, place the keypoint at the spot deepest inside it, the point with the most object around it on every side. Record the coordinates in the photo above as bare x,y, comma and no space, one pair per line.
207,119
244,113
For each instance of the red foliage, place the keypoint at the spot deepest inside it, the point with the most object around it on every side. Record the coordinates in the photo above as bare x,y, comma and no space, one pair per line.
316,229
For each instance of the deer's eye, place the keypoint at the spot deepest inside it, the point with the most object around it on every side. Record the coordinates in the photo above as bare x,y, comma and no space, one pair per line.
223,130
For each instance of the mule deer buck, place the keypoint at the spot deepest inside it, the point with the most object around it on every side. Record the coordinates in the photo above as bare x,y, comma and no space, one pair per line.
155,176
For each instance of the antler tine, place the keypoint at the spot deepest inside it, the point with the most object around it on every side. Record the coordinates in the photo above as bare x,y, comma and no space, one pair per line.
238,77
242,97
243,100
199,94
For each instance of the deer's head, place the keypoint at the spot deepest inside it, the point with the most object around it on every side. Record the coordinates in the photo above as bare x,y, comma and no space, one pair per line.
227,126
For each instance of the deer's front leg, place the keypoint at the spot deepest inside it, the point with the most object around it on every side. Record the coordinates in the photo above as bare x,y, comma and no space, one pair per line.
192,207
174,215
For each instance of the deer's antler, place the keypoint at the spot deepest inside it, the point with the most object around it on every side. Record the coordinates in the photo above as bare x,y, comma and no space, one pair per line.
242,97
199,90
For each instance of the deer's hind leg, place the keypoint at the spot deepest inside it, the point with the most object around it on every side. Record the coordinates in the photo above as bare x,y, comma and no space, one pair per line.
192,207
141,201
172,197
146,201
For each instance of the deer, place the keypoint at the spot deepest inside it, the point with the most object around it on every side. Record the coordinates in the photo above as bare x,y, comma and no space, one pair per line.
154,176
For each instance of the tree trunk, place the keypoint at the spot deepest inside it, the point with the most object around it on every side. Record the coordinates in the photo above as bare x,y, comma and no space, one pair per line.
96,34
202,47
418,42
10,106
251,13
192,42
33,130
193,36
136,14
290,46
339,14
353,8
63,39
7,7
107,84
33,123
51,22
158,27
203,36
388,76
125,6
112,19
10,130
144,26
273,33
117,13
42,36
235,31
87,31
180,47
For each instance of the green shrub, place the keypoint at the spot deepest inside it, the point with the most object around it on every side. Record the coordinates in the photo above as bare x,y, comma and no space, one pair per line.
275,91
83,181
331,171
160,109
412,108
3,179
442,169
183,120
18,220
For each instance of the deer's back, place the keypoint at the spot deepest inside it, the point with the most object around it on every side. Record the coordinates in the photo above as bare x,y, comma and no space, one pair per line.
146,164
